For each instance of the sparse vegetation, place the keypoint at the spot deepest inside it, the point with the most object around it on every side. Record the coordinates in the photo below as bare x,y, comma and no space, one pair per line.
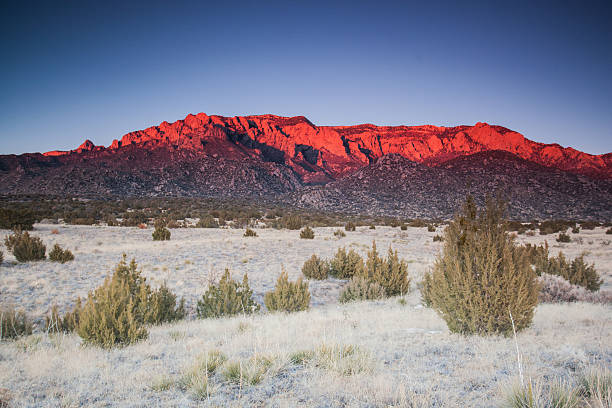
315,268
249,233
25,247
360,288
23,219
344,265
227,298
292,222
161,233
207,222
390,273
555,289
13,323
482,277
60,255
563,237
288,296
350,226
116,312
339,233
307,233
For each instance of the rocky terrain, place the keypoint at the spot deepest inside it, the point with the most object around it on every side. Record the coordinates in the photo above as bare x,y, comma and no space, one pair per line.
387,170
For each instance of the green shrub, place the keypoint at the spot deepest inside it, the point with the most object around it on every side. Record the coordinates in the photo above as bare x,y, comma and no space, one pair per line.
481,277
307,233
116,312
161,234
563,237
25,247
360,288
288,296
350,226
292,222
207,222
228,298
581,274
58,254
11,219
390,273
339,233
13,323
249,233
576,271
344,265
315,268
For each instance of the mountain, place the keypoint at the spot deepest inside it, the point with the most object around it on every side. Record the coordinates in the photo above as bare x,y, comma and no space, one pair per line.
383,169
396,186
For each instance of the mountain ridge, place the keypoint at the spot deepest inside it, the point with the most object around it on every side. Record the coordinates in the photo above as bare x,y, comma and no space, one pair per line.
324,153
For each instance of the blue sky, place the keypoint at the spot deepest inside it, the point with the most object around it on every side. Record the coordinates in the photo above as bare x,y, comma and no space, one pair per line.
97,70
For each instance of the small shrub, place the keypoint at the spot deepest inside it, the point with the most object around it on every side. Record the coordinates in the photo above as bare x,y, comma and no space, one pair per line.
307,233
249,233
339,233
25,247
563,237
161,234
116,312
288,296
350,226
315,268
1,257
438,238
481,276
582,274
576,230
228,298
390,273
58,254
13,323
292,222
431,228
609,231
207,222
344,265
360,288
372,226
404,227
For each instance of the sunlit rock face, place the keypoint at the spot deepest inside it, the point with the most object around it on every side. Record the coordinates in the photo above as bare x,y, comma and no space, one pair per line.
322,153
404,171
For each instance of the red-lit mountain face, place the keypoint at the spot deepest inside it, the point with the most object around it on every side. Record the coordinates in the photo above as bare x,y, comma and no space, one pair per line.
322,153
408,171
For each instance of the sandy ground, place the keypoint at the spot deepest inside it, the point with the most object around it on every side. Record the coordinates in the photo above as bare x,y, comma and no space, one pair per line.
407,356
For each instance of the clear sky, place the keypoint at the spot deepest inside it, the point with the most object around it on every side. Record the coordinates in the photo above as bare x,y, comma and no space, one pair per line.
97,70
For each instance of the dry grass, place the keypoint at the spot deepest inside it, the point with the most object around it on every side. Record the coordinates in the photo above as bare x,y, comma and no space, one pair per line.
364,354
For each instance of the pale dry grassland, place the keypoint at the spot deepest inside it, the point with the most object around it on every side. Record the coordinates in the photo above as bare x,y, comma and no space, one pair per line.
399,353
